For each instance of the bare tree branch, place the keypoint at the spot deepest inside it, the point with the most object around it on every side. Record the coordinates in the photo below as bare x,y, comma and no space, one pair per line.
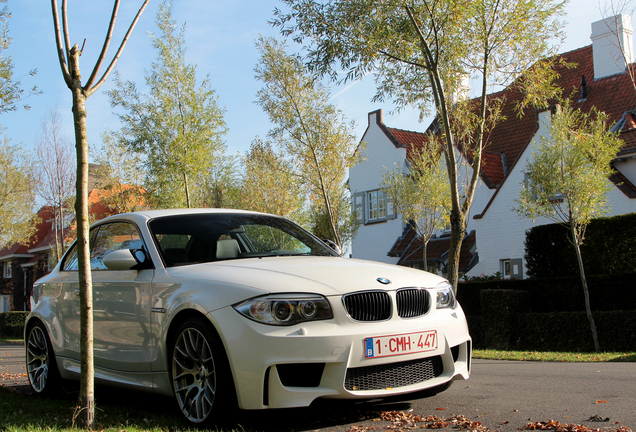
102,54
91,90
61,51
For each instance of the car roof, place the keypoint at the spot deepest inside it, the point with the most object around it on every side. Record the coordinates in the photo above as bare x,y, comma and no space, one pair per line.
146,215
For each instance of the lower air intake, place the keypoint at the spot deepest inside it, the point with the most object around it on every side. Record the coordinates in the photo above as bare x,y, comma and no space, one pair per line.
393,375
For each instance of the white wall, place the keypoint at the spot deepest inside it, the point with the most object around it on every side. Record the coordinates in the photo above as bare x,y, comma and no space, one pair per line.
501,232
373,241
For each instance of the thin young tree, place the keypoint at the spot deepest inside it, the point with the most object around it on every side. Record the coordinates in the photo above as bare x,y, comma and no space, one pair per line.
177,125
56,173
68,56
312,133
421,196
421,52
567,179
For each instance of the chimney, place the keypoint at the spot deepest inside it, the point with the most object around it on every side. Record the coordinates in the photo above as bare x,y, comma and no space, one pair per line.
612,45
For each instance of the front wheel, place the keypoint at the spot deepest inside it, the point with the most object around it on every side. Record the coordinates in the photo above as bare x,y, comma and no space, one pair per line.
44,377
201,377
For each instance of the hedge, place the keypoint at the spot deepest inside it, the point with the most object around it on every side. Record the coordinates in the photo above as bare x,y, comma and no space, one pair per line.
557,294
608,248
570,331
12,324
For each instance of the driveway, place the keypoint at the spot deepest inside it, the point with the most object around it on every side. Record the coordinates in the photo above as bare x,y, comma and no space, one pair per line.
501,395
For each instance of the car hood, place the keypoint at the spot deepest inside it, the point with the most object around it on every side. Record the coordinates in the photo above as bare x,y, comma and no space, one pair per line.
320,275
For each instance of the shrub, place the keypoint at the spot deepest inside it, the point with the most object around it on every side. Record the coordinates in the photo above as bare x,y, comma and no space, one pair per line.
608,248
12,324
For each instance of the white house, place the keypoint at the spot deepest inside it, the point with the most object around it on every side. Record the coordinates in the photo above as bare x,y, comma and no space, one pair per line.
496,234
382,235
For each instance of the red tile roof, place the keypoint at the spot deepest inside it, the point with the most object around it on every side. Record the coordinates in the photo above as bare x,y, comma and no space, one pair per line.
436,250
44,215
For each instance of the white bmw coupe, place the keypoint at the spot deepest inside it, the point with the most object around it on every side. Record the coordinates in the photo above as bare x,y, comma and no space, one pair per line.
224,307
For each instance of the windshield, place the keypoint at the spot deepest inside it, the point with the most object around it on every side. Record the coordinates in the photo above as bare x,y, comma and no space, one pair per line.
198,238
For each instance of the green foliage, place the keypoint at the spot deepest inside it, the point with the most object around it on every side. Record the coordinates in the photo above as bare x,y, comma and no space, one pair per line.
176,127
608,248
557,294
12,324
316,140
569,331
268,184
550,310
499,310
421,197
567,178
17,194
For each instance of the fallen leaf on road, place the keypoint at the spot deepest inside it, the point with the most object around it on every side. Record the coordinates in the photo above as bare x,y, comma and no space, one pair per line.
600,401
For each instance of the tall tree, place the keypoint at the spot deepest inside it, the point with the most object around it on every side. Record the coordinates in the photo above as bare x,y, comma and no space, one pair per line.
268,184
310,131
17,194
68,56
421,52
11,91
421,196
177,126
56,172
567,179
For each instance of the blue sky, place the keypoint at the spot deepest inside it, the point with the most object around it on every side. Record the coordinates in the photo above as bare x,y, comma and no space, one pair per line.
220,39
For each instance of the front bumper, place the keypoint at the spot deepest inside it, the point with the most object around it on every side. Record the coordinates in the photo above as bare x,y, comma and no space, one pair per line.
284,367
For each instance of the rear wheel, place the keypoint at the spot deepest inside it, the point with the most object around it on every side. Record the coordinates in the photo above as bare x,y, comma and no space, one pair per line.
44,376
201,377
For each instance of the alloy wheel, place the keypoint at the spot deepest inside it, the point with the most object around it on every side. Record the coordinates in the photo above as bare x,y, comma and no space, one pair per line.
193,375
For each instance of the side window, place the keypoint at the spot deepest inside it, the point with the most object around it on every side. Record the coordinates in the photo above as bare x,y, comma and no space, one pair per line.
111,237
104,239
70,259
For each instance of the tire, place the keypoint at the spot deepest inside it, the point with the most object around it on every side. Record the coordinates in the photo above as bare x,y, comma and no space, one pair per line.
200,373
44,376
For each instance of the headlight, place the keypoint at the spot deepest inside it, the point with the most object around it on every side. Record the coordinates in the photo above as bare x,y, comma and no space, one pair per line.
285,309
445,296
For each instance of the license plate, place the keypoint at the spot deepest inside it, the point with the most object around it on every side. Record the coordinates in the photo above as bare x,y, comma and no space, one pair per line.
384,346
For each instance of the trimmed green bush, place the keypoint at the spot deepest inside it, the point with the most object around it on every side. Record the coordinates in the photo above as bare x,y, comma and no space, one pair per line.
570,331
12,324
608,248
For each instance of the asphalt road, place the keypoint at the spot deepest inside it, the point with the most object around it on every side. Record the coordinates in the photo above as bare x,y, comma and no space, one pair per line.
501,395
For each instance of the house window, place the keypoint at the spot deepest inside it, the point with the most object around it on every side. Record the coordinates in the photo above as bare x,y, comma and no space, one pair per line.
6,269
506,269
377,205
5,303
512,268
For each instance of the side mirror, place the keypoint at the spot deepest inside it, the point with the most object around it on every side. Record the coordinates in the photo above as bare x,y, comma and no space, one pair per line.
125,259
332,245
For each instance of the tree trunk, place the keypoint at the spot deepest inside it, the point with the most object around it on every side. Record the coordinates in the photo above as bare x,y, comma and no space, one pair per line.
456,239
586,293
87,387
424,258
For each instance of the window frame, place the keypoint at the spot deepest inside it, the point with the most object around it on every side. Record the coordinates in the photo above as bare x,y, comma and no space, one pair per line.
376,203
